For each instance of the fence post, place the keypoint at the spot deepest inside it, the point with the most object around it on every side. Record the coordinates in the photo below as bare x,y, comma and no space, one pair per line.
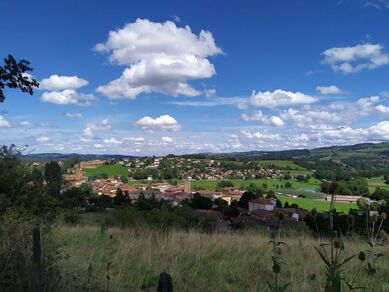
36,260
165,283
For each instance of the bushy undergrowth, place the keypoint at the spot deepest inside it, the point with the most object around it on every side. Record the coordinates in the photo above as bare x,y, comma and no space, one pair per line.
16,272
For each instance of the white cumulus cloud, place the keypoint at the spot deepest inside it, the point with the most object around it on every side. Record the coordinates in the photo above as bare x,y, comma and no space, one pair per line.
161,57
357,58
43,139
4,123
332,89
67,96
112,141
279,98
56,82
164,122
166,140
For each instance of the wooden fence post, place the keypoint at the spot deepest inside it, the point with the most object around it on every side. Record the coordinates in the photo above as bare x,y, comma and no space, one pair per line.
37,260
165,283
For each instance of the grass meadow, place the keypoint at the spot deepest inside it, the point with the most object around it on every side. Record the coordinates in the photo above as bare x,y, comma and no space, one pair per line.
132,260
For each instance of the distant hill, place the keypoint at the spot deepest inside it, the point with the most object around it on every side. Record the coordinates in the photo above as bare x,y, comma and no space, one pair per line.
60,156
367,159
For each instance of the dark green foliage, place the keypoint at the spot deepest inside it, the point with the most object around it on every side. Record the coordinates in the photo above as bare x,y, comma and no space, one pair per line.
22,188
12,75
224,184
357,186
231,211
200,202
246,198
257,190
53,177
73,197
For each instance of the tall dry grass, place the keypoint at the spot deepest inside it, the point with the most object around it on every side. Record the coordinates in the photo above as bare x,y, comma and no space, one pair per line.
132,259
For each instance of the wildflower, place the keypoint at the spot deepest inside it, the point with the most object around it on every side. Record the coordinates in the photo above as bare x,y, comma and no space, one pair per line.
362,256
337,243
314,212
383,216
374,217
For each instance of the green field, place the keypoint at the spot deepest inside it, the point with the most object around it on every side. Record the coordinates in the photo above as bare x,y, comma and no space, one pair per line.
110,170
243,183
375,182
309,204
285,166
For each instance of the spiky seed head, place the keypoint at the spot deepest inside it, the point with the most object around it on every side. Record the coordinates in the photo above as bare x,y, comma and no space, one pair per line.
383,216
314,212
362,256
374,217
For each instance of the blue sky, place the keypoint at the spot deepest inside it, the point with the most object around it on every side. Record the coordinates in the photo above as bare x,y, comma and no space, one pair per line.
158,77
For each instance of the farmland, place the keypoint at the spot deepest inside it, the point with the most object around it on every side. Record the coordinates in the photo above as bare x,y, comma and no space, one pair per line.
312,184
321,206
110,170
375,182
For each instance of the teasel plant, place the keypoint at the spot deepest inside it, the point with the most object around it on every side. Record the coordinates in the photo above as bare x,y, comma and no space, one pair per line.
374,242
332,253
277,260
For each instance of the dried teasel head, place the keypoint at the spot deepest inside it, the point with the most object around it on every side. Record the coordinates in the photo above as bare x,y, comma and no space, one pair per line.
314,212
374,217
383,216
337,243
362,256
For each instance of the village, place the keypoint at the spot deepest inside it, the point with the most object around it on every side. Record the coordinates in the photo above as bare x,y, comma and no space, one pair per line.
260,211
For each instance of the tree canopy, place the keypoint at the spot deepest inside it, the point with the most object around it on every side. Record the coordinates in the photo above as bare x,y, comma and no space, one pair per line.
13,74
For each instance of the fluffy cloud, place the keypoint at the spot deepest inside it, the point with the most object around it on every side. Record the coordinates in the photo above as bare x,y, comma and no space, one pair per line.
332,89
4,123
89,131
72,115
112,141
166,140
164,122
279,98
55,82
43,139
382,109
161,57
258,116
135,140
25,124
357,58
67,96
262,136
